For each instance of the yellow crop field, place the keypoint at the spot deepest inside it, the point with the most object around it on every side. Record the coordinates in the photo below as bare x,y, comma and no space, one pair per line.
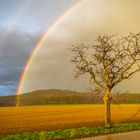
36,118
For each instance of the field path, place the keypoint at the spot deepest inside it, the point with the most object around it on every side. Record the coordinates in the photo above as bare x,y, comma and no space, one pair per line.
36,118
135,135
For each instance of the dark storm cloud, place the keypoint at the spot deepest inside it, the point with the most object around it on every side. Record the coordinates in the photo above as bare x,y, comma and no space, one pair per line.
13,55
22,22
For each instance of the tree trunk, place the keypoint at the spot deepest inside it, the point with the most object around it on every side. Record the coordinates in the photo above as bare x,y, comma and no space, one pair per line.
107,102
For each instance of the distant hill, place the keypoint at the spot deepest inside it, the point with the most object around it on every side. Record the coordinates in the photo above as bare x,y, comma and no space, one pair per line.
42,97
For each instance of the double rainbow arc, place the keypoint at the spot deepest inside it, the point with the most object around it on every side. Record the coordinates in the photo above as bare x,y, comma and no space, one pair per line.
37,47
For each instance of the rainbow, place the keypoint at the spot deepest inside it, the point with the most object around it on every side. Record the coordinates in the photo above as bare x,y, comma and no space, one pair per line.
38,45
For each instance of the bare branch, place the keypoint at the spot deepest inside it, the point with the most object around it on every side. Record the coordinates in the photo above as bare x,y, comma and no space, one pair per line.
109,61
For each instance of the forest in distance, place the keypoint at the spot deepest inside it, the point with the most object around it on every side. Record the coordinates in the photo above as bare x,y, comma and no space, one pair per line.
56,96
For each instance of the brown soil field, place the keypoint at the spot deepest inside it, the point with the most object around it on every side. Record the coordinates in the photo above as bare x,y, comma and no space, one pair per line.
15,120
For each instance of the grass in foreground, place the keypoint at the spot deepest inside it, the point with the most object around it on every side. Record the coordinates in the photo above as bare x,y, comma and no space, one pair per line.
73,133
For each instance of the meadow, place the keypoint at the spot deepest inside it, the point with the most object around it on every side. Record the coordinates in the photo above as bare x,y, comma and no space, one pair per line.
15,120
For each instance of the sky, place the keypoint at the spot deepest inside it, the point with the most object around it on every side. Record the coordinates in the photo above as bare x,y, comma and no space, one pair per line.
51,67
22,23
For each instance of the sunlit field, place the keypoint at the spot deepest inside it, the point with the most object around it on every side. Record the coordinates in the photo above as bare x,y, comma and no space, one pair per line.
35,118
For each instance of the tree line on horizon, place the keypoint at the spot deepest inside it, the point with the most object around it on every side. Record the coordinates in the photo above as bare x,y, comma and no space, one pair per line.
57,97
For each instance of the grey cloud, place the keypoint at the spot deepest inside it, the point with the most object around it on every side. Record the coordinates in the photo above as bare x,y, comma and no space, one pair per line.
14,54
21,25
39,14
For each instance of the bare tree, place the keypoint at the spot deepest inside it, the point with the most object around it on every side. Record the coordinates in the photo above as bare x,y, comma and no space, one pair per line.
107,63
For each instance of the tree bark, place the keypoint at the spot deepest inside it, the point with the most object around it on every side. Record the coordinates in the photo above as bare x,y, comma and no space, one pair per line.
107,102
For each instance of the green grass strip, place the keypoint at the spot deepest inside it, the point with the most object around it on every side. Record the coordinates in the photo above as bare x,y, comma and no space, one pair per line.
73,133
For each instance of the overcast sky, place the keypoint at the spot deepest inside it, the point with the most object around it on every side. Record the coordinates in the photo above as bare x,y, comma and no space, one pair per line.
51,66
22,23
